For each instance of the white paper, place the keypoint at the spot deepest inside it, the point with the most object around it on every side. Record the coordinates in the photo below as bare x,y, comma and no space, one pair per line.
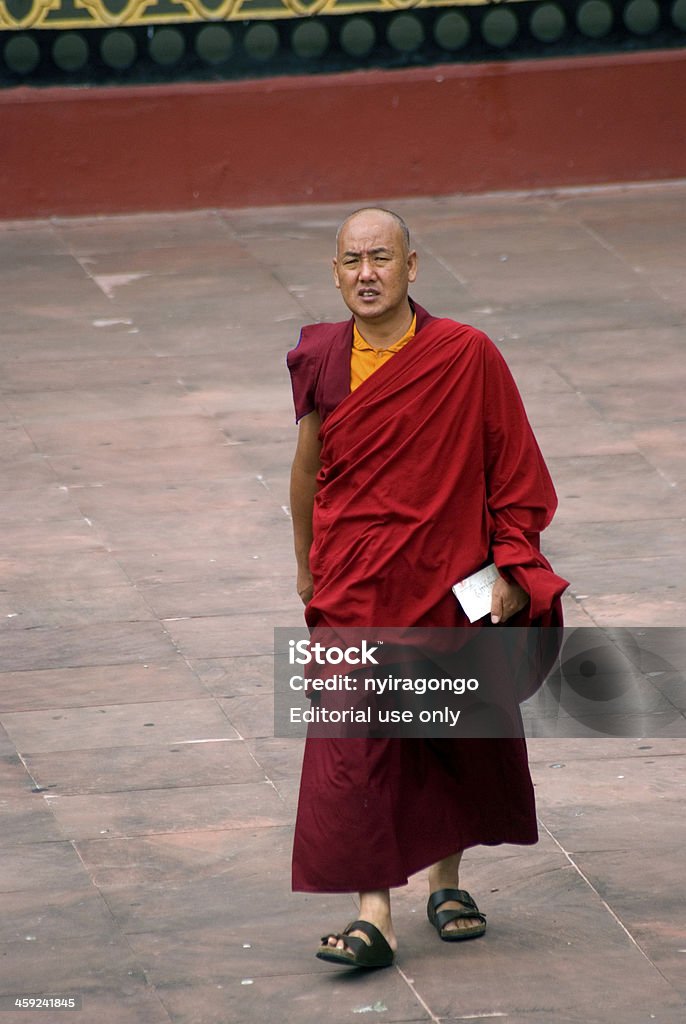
474,592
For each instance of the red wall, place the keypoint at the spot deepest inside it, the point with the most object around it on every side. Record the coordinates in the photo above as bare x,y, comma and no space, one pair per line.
450,128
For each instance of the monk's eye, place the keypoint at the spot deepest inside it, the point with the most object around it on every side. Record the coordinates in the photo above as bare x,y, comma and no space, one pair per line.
382,259
351,262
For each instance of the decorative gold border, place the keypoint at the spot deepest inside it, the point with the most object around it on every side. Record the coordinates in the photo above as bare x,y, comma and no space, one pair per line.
71,14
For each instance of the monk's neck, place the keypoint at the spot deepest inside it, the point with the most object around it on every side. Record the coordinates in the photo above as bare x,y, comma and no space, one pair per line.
382,334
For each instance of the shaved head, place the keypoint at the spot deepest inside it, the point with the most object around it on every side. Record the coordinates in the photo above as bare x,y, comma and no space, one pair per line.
373,269
400,223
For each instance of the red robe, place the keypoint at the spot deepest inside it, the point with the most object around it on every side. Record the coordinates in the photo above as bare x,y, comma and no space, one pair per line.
429,470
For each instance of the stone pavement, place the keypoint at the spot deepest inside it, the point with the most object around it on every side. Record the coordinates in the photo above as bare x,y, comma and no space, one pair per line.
146,431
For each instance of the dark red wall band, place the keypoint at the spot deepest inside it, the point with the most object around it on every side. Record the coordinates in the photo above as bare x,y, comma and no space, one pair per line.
449,128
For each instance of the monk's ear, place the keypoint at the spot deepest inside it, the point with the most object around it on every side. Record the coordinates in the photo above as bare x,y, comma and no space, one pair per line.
335,273
412,266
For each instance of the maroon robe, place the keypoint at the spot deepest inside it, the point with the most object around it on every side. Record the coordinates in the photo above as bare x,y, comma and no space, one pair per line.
429,470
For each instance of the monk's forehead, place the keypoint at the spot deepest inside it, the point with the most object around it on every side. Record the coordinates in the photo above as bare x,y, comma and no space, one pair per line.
370,229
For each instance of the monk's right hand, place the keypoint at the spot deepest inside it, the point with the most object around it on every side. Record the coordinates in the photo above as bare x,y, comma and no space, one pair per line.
304,587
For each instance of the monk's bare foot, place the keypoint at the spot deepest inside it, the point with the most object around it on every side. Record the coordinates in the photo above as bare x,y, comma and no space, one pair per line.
385,928
375,907
445,875
461,923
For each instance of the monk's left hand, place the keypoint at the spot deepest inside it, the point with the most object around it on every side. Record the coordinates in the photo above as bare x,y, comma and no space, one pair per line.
507,599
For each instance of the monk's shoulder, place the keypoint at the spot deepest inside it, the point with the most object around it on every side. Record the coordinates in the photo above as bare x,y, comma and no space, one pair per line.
461,334
316,340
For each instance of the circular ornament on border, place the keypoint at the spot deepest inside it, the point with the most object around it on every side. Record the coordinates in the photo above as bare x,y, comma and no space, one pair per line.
595,18
70,51
261,42
21,54
118,49
641,17
310,40
548,23
405,33
452,31
167,46
499,27
214,44
358,37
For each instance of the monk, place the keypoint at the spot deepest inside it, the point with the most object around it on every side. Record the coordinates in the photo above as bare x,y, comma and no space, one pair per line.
415,465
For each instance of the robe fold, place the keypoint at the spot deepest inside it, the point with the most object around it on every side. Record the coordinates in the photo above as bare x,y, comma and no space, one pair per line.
429,471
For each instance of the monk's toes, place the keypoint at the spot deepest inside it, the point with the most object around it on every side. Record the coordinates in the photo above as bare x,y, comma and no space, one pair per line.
455,915
462,924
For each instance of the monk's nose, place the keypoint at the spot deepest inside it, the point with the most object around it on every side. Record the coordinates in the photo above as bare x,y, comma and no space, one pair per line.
367,270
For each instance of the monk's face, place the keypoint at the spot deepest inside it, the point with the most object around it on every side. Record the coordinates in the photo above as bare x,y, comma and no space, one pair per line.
373,268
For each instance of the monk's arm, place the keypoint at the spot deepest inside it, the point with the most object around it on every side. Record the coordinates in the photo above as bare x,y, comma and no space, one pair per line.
521,497
306,464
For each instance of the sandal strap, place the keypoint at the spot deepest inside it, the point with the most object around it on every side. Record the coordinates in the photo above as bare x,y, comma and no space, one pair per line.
355,944
378,954
459,895
353,941
443,917
370,930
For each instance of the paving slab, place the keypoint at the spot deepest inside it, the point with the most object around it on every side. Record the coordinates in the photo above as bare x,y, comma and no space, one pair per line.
21,821
38,504
96,728
14,778
615,487
124,434
231,595
97,685
146,432
171,399
218,636
71,605
199,763
178,809
293,1000
70,965
238,676
101,644
154,869
41,865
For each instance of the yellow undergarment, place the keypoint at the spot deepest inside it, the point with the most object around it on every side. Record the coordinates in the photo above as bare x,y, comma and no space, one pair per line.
365,359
